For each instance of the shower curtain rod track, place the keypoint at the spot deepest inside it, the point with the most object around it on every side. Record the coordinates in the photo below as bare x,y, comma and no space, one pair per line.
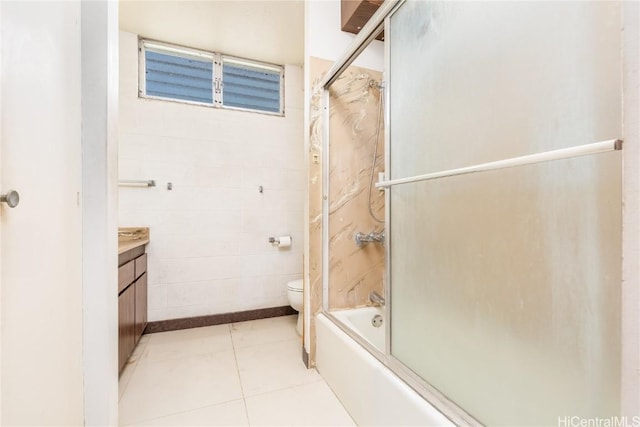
563,153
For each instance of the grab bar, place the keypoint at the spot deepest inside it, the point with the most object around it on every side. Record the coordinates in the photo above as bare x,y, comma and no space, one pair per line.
563,153
137,183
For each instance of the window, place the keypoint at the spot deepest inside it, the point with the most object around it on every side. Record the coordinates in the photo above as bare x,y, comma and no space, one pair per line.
245,85
206,78
178,75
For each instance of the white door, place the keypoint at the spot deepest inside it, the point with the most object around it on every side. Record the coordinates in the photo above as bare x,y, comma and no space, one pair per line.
0,212
41,240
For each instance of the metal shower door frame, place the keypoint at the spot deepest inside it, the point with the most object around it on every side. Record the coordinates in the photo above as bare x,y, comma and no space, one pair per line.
369,32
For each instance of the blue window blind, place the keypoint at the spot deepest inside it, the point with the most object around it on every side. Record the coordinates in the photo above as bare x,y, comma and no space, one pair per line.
249,87
184,74
178,77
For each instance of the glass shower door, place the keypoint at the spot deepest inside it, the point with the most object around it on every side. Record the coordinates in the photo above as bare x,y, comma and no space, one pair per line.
505,285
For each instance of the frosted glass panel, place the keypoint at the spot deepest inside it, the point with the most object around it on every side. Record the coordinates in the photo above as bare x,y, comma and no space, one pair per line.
482,81
505,285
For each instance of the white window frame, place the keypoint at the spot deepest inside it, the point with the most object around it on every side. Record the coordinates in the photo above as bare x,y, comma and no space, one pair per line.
217,83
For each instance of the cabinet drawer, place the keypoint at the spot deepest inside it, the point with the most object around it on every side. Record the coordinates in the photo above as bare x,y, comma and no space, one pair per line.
141,265
126,275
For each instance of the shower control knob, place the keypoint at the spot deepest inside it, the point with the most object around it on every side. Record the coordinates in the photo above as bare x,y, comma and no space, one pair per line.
11,198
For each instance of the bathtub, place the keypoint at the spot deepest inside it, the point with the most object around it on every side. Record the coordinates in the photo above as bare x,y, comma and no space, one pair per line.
370,392
359,320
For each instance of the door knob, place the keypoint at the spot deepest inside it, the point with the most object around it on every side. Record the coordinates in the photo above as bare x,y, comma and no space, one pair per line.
11,198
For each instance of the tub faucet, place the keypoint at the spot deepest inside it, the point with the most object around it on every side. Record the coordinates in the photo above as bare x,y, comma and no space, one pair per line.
362,239
376,299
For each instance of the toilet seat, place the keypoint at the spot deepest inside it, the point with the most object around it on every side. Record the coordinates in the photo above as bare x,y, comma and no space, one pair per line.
295,285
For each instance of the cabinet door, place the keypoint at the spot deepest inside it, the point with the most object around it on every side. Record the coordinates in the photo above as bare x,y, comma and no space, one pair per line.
141,306
126,275
126,320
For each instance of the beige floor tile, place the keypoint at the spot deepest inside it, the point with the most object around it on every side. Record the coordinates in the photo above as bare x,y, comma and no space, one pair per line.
272,366
225,414
190,377
307,405
169,386
139,349
130,366
124,379
187,342
263,331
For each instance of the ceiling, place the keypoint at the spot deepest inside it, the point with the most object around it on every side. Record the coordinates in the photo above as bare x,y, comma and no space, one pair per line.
265,30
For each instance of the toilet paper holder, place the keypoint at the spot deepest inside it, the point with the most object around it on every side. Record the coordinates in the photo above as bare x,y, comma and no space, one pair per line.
278,241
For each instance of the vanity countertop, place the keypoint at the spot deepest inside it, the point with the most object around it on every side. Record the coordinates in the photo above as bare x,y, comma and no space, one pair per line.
132,237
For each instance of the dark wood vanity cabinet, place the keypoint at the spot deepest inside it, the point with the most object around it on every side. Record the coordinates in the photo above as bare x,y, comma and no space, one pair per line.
140,306
132,301
126,321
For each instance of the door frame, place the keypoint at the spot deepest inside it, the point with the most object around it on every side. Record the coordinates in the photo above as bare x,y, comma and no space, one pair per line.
630,304
99,201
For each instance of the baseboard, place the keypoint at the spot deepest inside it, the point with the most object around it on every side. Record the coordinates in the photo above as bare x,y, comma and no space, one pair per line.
217,319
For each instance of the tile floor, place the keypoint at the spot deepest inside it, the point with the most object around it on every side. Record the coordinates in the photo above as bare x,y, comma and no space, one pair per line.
247,373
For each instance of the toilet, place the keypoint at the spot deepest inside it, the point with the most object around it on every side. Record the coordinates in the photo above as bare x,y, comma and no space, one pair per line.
294,292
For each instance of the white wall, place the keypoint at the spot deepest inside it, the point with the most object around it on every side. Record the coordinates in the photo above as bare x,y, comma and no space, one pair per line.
264,30
324,39
209,251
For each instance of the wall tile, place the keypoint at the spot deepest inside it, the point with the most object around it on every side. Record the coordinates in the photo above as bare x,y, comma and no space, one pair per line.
176,246
157,298
157,314
180,270
353,271
206,292
294,95
209,252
